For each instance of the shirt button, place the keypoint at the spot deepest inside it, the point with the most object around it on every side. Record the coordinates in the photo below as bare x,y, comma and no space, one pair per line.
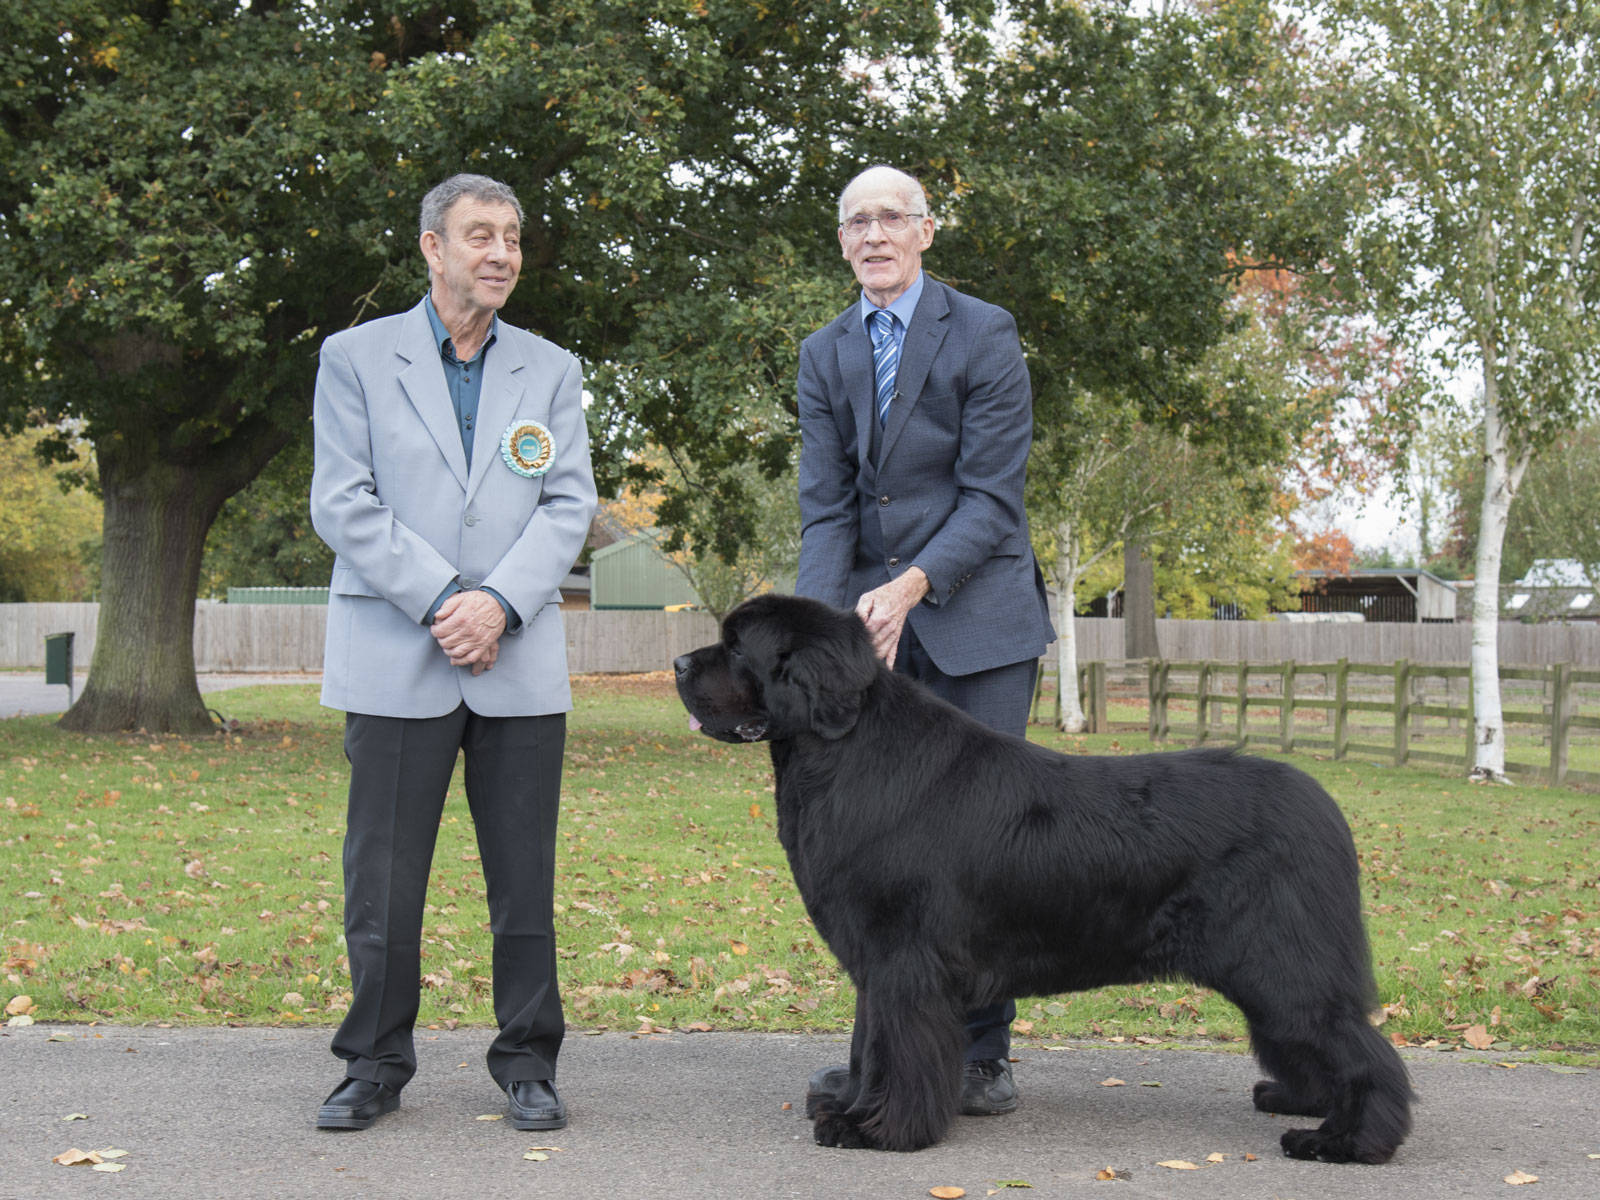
883,502
471,519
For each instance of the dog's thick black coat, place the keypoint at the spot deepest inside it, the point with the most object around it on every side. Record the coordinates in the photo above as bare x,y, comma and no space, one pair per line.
949,866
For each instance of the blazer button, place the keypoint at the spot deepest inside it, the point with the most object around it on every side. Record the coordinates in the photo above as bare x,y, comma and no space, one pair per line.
471,519
894,562
883,502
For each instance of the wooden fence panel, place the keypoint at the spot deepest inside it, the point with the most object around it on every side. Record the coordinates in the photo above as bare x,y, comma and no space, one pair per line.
288,637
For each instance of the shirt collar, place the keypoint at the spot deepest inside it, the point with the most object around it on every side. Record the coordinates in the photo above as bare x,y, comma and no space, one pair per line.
441,335
903,305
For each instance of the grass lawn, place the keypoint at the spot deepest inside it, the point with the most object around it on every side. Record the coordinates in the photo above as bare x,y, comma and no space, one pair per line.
159,879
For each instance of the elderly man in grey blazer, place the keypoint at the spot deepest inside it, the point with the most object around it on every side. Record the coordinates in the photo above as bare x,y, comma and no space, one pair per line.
916,416
452,480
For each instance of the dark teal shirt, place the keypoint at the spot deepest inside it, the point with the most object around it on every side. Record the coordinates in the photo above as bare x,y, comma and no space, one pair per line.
464,379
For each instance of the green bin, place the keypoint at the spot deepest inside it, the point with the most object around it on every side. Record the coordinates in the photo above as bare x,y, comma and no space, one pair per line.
58,660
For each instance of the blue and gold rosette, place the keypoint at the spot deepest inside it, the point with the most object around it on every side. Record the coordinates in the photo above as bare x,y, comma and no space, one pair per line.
528,448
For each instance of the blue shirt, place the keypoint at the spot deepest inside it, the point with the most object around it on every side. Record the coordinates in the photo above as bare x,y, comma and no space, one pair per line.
901,309
465,381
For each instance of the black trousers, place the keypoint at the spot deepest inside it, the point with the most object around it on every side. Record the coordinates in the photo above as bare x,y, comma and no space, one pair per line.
400,770
1000,698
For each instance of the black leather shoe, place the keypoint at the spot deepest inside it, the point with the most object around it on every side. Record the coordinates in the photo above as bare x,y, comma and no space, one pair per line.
356,1104
987,1089
536,1105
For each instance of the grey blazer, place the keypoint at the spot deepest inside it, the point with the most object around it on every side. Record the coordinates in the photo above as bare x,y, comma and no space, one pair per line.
945,492
391,494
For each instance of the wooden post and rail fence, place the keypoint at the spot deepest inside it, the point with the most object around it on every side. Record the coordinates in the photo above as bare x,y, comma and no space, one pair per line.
1223,697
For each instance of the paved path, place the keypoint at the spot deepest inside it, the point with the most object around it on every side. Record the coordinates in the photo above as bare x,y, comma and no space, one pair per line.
228,1113
23,693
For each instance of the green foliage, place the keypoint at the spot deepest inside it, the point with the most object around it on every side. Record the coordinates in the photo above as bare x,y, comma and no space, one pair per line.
1477,124
49,528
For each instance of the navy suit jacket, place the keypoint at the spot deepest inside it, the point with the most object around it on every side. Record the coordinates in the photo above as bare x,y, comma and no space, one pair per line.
945,492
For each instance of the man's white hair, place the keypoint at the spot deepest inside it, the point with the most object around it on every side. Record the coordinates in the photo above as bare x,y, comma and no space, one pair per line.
906,188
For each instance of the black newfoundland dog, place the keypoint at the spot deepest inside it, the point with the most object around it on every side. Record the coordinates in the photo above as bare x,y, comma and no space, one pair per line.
949,867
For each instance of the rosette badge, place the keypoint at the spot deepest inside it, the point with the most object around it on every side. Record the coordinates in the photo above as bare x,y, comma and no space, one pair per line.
528,448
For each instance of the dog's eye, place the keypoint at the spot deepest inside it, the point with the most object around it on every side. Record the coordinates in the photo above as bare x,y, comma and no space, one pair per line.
735,653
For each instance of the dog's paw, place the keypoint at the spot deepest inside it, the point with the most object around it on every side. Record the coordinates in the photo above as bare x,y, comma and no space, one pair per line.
1270,1096
836,1129
1333,1148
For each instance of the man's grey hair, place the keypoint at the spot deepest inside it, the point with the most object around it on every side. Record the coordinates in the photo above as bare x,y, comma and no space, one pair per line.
906,187
436,204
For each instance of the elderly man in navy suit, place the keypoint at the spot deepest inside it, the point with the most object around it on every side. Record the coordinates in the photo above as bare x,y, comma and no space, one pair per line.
916,416
452,481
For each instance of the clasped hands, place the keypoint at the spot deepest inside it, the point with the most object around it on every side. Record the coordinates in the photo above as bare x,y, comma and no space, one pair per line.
467,627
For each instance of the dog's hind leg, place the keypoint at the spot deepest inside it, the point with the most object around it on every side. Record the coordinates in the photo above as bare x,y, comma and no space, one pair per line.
1328,1061
1370,1113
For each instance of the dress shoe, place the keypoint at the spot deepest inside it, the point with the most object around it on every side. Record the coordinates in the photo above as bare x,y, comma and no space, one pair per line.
356,1104
987,1089
536,1105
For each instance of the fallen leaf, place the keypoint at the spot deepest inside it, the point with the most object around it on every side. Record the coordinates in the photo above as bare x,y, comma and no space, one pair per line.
76,1158
741,948
1149,1083
491,1117
111,1152
947,1193
1518,1178
1105,1174
110,1167
20,1021
1216,1158
1013,1183
1178,1164
76,1117
536,1156
1478,1038
1250,1158
1113,1081
20,1006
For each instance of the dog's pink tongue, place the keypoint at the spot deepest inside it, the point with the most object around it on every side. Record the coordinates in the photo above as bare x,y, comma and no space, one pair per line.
694,723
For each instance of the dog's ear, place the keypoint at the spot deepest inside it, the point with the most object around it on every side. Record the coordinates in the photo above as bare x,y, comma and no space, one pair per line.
828,673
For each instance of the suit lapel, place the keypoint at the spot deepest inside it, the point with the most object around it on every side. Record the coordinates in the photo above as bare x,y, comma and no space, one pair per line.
423,381
497,404
924,336
855,370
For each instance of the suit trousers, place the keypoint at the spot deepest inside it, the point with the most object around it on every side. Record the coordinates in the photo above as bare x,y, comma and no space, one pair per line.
400,771
999,698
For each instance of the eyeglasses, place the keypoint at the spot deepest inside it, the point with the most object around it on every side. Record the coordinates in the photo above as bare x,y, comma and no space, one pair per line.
889,222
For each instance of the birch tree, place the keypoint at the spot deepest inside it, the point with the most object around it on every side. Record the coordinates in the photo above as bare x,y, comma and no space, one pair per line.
1478,123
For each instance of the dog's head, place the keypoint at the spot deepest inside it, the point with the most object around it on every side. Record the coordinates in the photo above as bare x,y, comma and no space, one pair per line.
785,666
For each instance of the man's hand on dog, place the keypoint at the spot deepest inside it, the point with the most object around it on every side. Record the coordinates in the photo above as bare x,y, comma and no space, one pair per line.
883,611
468,627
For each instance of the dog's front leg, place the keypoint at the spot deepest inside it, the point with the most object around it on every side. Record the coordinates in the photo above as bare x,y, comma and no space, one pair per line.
905,1061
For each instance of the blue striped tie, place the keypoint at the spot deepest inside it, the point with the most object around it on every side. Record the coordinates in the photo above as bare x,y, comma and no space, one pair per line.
885,359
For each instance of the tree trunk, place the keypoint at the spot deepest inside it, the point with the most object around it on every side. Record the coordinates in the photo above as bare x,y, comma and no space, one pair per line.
157,515
1138,603
1067,567
1502,475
